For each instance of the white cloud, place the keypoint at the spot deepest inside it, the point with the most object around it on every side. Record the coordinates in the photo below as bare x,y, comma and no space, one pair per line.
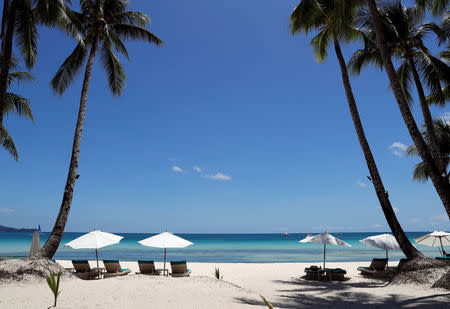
197,169
361,184
439,219
396,210
177,169
218,176
398,149
6,210
377,225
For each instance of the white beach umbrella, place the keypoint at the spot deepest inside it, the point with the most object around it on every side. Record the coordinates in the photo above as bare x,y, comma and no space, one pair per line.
165,240
435,239
325,239
94,240
35,244
383,241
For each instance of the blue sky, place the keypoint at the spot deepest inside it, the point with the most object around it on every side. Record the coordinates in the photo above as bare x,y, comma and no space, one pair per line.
232,93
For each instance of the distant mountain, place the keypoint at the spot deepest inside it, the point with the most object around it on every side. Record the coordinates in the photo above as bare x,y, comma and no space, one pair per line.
11,229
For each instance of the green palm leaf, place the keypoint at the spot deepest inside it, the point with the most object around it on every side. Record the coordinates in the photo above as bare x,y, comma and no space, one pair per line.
7,143
18,105
115,72
26,32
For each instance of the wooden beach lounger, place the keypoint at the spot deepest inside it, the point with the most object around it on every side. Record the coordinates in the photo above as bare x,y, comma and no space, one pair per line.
113,269
179,269
401,263
329,274
148,268
84,271
377,268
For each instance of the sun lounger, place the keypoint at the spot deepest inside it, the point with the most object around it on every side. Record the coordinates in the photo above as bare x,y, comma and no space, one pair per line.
313,272
377,268
443,258
148,268
401,263
113,269
335,274
179,269
83,270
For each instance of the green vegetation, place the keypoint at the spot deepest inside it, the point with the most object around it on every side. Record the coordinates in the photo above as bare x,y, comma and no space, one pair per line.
268,304
53,284
217,274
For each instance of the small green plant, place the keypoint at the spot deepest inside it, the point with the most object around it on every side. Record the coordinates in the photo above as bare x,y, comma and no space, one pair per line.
269,305
53,283
217,274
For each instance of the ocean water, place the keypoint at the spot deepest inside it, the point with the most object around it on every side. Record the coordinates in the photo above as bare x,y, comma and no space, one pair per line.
220,248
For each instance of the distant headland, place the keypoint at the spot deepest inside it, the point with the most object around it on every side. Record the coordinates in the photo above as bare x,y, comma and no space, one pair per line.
12,229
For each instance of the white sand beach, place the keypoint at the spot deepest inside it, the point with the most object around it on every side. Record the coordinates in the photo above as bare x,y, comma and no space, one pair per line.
280,283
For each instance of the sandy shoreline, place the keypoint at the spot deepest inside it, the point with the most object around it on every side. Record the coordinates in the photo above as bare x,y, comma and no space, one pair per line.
242,283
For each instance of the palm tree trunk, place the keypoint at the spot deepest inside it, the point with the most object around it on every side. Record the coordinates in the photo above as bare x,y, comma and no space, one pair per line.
408,249
439,180
52,243
5,65
429,124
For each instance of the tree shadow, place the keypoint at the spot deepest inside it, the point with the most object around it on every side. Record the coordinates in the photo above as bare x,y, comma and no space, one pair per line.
301,293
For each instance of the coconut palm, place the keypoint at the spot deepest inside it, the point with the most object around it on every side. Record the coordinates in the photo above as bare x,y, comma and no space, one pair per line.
19,20
404,35
334,19
103,24
14,104
440,180
442,129
436,7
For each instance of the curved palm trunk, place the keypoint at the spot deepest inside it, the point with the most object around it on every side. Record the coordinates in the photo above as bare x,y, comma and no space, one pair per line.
7,54
440,182
406,246
428,119
52,243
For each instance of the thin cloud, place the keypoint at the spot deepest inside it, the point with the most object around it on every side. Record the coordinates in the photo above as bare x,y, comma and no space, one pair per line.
439,219
197,169
218,176
398,149
361,184
6,210
177,169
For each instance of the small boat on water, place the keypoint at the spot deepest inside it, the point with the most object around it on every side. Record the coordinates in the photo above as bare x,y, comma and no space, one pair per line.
286,234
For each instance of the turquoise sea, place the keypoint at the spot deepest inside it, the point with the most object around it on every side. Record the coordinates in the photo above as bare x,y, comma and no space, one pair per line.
220,248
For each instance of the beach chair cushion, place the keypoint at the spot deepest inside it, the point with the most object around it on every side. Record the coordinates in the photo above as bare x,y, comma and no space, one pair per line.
81,266
147,267
113,267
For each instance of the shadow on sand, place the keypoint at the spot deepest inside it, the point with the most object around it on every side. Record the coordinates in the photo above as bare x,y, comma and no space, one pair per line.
301,293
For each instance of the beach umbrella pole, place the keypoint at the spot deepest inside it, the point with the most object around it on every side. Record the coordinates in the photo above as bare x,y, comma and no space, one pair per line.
165,249
442,247
324,254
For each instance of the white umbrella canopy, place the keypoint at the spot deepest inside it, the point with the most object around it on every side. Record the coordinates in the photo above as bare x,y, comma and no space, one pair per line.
383,241
35,244
94,240
165,240
325,239
435,239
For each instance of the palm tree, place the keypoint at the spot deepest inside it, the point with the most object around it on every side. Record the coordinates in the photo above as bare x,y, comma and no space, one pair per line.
335,19
440,181
103,24
15,104
442,129
436,7
19,20
404,36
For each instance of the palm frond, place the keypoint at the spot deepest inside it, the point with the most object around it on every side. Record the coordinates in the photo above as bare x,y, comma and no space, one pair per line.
7,142
118,44
19,77
125,31
69,69
432,71
132,18
115,72
320,44
26,32
19,105
405,76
